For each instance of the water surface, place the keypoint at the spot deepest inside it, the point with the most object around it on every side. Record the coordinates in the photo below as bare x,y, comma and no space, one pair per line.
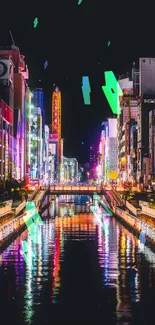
83,273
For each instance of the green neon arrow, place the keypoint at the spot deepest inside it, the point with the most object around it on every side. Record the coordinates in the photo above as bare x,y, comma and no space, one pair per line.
112,91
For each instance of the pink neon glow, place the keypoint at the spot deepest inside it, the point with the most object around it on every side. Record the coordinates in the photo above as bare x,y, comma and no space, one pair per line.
53,136
100,148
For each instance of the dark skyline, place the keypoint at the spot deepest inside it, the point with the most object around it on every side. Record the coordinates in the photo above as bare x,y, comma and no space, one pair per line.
73,39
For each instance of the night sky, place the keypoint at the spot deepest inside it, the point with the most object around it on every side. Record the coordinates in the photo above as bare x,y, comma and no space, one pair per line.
73,39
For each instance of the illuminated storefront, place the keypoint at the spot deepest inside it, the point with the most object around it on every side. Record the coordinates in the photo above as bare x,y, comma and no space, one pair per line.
6,140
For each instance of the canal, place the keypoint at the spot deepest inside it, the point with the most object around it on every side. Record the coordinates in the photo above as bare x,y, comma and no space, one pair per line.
81,272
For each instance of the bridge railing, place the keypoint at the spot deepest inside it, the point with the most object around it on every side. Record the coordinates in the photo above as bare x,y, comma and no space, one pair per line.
74,188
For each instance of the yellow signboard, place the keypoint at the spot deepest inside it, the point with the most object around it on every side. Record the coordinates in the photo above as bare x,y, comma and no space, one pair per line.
113,175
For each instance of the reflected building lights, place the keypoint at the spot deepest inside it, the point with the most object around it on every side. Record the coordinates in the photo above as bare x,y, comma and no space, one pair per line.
42,247
121,259
52,209
106,254
28,297
56,268
100,246
148,253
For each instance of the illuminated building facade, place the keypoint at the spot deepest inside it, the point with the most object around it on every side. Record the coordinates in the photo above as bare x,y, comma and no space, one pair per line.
125,121
101,165
38,100
28,106
108,151
52,156
36,144
70,170
46,155
6,114
6,140
152,147
19,105
93,159
147,94
132,166
14,72
56,126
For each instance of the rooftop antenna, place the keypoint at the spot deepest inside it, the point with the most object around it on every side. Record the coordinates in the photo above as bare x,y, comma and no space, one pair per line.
12,38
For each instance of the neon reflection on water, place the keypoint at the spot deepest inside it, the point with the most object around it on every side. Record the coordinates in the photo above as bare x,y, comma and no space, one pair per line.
106,252
36,278
58,249
32,220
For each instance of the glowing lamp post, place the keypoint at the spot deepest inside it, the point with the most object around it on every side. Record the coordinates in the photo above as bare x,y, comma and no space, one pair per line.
88,176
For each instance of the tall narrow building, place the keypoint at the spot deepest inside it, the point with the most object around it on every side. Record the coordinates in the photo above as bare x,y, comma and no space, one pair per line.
108,151
147,94
13,85
126,127
36,143
39,101
56,128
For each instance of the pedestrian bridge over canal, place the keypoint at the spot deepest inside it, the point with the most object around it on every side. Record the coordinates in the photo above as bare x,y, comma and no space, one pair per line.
75,189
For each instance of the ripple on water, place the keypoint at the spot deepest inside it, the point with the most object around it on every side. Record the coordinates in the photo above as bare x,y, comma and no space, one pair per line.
82,271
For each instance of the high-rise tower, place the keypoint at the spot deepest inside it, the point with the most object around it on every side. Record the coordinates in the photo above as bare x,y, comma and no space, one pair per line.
56,120
38,101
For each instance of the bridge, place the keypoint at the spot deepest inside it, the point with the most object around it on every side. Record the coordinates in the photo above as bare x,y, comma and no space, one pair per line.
75,189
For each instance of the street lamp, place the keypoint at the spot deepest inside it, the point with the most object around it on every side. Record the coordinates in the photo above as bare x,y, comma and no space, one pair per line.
88,176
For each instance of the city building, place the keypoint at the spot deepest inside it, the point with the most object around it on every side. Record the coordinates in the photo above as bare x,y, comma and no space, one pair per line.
70,170
147,94
93,159
6,140
152,148
132,166
101,165
38,100
107,170
28,106
56,129
36,144
46,156
13,75
52,156
6,114
126,121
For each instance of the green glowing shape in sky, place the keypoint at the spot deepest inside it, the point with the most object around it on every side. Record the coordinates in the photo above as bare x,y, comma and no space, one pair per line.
79,2
86,90
35,22
112,91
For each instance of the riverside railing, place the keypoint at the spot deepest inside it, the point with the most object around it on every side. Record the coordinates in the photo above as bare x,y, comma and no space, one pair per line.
136,223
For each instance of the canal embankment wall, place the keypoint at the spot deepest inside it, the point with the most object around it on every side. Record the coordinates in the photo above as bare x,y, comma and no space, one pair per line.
11,228
132,219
